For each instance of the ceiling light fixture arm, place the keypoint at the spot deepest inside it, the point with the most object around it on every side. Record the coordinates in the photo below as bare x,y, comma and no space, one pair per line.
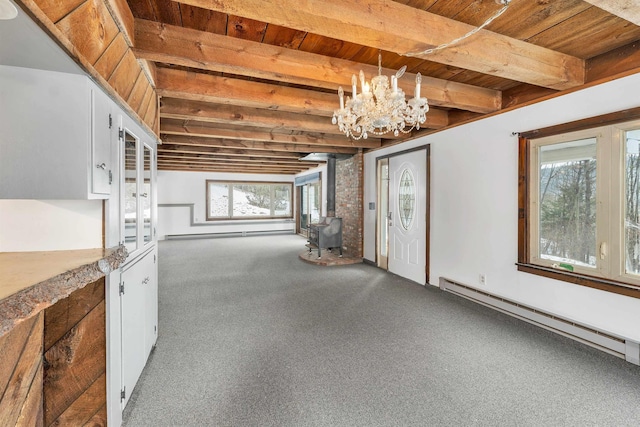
504,8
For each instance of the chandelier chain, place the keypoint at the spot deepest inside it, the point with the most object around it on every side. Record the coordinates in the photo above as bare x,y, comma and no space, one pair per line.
466,36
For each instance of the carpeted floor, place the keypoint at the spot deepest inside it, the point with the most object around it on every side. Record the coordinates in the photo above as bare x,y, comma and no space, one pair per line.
249,335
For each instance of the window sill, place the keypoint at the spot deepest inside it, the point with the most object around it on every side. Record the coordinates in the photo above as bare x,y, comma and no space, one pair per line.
582,280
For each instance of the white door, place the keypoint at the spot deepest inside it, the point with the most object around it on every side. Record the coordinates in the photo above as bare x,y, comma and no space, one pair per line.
408,215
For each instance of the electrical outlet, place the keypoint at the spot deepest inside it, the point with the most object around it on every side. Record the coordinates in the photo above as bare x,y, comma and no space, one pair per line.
482,278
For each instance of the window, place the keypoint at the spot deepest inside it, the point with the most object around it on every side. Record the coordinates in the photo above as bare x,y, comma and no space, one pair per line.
580,205
406,199
248,200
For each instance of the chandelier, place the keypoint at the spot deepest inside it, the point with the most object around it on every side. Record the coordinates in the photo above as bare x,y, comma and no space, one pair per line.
379,108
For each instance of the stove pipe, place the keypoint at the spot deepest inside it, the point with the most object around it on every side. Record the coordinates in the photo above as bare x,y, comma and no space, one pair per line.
331,186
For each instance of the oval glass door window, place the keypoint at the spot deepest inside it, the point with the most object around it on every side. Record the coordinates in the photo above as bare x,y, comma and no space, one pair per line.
407,199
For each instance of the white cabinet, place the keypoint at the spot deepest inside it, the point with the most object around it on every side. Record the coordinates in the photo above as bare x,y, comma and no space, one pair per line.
57,136
139,318
137,189
136,196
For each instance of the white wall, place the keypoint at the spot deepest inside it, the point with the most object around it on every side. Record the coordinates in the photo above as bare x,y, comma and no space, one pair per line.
49,225
474,208
186,192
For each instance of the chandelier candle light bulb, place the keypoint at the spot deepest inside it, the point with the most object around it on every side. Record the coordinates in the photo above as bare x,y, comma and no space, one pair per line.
380,108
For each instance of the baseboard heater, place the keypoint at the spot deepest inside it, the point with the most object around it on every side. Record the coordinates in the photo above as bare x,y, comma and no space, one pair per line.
610,343
227,234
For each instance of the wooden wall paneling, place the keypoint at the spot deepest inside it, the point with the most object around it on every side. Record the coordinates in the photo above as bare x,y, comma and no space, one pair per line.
84,409
68,43
142,109
97,419
156,116
32,414
73,364
152,112
66,313
137,93
125,74
90,28
150,69
123,18
56,10
111,57
11,346
21,374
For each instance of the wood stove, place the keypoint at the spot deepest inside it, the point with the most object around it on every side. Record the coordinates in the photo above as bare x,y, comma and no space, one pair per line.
326,234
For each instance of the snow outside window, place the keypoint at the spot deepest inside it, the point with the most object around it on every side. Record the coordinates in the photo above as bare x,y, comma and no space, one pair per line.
248,200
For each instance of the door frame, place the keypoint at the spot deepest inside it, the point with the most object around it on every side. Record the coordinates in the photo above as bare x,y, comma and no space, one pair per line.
427,148
298,202
382,261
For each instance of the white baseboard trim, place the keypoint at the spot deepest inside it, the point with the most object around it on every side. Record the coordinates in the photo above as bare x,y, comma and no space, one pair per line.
602,340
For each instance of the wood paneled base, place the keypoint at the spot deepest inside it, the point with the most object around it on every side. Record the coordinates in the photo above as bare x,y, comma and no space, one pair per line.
75,359
21,374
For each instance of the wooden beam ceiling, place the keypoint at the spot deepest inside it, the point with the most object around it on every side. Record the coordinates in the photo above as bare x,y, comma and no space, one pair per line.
225,90
249,79
625,9
174,108
253,145
409,31
199,49
176,148
205,129
256,80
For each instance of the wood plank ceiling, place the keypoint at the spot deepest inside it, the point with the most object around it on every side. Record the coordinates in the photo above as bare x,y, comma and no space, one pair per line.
250,85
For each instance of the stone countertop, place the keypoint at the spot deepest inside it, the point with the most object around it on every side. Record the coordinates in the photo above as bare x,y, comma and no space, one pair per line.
33,281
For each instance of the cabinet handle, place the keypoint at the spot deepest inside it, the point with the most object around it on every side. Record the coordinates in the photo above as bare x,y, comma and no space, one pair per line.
101,166
143,195
146,280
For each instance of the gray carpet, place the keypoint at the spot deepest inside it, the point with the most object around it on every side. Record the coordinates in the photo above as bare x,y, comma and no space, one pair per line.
251,336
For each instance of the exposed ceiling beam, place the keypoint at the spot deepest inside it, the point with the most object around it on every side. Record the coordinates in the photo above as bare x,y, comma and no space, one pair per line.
254,145
204,50
176,148
205,129
223,169
232,160
405,30
626,9
185,109
278,122
236,164
223,90
298,165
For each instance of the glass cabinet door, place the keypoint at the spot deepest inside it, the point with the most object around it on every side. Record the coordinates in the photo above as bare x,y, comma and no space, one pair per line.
130,190
146,195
